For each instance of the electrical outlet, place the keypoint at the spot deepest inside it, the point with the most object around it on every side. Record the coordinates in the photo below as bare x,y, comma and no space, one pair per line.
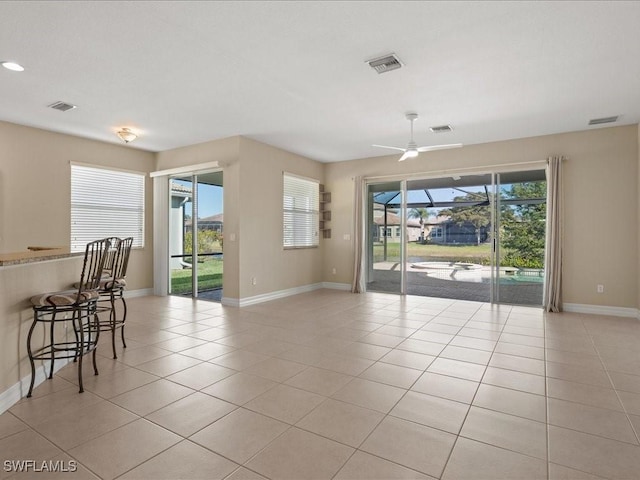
600,288
253,280
334,271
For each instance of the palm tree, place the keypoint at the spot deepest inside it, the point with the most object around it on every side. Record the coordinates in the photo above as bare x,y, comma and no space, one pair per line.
421,214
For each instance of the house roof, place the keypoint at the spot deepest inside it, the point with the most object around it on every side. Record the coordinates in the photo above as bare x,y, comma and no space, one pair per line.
176,187
217,218
440,219
294,74
392,219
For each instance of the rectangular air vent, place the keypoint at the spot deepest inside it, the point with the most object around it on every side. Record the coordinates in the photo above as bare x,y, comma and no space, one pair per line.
386,63
599,121
441,129
62,106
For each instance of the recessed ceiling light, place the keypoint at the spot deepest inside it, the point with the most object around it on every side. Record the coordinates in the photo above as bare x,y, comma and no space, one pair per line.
15,67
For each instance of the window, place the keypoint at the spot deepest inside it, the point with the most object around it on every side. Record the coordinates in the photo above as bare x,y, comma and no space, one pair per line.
397,231
436,232
301,206
106,203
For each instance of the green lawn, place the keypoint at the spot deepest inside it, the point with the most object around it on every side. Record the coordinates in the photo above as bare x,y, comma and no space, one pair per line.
466,253
209,276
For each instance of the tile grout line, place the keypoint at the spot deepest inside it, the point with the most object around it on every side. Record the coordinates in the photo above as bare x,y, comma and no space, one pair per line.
606,370
458,435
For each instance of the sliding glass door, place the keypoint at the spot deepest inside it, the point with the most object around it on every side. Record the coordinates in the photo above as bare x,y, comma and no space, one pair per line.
453,253
385,239
470,237
196,235
521,213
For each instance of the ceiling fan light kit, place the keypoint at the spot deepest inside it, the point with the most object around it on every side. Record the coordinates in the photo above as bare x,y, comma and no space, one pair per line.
412,150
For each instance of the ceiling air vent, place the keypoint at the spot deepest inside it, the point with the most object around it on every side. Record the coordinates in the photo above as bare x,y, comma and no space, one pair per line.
599,121
441,129
62,106
386,63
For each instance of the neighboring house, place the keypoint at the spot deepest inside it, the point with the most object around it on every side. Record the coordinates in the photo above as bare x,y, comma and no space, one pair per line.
213,222
445,231
393,226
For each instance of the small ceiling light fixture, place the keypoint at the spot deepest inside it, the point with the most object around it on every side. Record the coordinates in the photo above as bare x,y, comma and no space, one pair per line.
14,67
126,135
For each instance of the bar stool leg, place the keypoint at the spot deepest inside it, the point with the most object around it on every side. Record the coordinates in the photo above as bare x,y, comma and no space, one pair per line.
124,317
79,346
53,351
112,321
75,333
30,353
96,321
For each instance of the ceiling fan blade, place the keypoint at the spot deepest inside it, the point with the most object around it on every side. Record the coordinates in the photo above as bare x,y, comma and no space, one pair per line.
404,156
439,147
392,148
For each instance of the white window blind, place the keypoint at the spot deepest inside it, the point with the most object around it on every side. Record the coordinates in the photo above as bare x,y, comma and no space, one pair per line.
301,206
105,203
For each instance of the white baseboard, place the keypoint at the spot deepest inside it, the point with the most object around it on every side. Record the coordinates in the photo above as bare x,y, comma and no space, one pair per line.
337,286
267,297
142,292
601,310
13,394
230,302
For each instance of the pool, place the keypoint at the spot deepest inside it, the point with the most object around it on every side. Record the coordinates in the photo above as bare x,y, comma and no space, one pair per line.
474,273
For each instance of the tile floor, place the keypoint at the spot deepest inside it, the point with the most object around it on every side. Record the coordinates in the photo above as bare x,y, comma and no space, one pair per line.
330,385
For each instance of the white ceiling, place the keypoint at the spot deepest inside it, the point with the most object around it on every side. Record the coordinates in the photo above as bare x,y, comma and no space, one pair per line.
293,74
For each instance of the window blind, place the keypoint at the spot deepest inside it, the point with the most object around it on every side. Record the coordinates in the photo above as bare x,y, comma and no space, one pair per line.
301,206
105,203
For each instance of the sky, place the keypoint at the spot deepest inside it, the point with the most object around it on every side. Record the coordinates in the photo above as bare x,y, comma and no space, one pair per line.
209,199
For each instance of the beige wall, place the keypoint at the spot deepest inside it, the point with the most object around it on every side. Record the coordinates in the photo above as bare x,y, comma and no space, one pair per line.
253,213
601,205
35,190
262,255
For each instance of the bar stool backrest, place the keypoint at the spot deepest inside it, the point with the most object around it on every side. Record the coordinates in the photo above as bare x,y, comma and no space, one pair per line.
118,257
95,256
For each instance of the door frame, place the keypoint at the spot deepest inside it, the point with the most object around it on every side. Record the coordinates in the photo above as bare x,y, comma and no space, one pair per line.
493,170
161,205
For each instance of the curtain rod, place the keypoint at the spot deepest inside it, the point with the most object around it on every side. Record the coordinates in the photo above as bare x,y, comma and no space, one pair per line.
444,173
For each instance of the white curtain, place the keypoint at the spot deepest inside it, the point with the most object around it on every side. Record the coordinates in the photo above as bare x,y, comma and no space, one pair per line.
552,299
358,284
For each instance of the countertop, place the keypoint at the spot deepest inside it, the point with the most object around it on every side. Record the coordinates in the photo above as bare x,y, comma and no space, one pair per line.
35,254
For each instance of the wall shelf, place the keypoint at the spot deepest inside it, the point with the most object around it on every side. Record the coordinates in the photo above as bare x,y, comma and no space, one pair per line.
325,212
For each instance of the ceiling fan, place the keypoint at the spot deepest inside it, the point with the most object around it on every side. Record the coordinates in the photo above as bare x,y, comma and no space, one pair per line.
412,149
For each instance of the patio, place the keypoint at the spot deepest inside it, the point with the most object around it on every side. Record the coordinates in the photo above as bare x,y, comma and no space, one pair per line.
386,278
